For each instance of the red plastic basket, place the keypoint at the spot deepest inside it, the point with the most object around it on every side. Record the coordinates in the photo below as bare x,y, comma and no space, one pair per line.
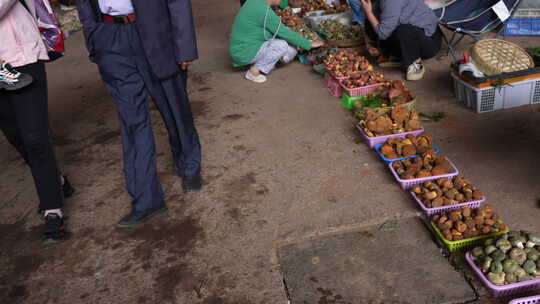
504,290
528,300
333,86
361,91
373,141
432,211
407,184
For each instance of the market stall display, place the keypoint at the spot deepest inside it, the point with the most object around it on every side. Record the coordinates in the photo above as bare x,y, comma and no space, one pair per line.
345,63
337,32
430,165
466,222
363,79
395,121
508,264
289,18
447,192
406,147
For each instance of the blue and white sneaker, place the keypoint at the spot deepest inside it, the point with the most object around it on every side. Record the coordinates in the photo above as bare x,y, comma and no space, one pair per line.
12,80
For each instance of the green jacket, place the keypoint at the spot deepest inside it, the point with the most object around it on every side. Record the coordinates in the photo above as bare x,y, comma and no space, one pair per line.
248,33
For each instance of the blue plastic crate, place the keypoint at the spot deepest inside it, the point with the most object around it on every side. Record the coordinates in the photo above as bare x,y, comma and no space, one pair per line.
523,27
391,160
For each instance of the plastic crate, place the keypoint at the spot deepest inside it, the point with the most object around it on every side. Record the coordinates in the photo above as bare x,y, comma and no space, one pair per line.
373,141
522,27
361,91
436,210
504,290
465,244
347,101
407,184
528,300
332,84
490,99
391,160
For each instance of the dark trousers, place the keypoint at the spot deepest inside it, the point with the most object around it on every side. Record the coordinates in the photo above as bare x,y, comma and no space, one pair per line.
408,42
24,122
130,80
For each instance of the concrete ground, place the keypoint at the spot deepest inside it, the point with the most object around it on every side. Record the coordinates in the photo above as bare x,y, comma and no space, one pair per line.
282,164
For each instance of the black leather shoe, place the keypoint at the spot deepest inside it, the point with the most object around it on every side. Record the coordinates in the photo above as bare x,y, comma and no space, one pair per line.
192,183
54,229
67,188
137,218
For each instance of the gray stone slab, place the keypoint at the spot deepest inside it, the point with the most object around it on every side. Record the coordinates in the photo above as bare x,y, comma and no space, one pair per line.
390,264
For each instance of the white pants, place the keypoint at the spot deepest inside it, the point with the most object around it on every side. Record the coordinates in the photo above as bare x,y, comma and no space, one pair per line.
271,52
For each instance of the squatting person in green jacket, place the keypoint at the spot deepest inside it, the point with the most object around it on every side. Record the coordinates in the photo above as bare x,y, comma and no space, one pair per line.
259,39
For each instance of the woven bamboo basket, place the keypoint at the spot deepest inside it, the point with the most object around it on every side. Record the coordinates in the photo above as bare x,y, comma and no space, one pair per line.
495,56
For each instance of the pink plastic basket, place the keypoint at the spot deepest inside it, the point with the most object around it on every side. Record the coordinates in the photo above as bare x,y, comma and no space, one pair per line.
528,300
373,141
432,211
407,184
361,91
333,86
328,72
504,290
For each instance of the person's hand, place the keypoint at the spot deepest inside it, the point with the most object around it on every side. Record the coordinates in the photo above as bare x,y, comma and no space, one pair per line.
316,44
185,64
366,5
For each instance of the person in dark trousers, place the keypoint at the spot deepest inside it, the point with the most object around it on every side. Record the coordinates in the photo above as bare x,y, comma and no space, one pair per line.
24,110
144,48
407,32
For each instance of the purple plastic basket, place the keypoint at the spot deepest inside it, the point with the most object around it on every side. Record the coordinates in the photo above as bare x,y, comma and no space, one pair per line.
432,211
373,141
528,300
504,290
407,184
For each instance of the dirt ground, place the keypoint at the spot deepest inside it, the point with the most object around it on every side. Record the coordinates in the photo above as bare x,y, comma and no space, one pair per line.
282,163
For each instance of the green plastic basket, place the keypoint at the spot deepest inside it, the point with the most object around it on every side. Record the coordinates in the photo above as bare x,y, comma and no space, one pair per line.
348,101
465,244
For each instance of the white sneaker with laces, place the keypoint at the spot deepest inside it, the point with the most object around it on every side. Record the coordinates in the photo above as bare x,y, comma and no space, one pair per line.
258,79
415,71
11,80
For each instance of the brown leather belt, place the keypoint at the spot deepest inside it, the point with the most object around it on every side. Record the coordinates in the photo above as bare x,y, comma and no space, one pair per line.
125,19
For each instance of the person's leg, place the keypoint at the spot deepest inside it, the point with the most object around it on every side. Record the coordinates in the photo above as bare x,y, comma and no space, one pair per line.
407,39
24,120
270,53
172,101
119,70
431,45
289,55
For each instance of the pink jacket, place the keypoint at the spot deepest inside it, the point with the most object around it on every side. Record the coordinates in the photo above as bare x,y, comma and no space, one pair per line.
20,40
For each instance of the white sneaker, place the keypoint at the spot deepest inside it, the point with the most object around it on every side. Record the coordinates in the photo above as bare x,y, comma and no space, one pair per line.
258,79
415,71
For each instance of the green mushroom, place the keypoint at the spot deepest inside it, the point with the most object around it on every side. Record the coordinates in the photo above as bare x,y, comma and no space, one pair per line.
518,255
520,272
489,242
525,278
504,245
518,241
529,266
533,254
497,267
486,264
490,249
496,278
477,252
538,264
510,266
498,255
511,278
533,238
